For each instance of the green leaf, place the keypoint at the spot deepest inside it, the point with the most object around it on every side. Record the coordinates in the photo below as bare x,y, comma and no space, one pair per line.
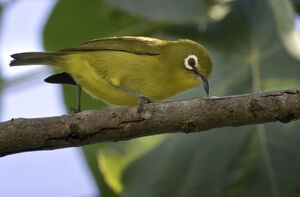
197,169
91,155
114,158
296,4
75,21
184,11
199,12
285,19
217,163
279,83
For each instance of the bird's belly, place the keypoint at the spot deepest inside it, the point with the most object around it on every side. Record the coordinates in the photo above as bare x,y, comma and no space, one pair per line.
100,89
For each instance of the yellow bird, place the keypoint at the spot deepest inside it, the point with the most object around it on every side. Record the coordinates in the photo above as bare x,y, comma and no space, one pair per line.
124,70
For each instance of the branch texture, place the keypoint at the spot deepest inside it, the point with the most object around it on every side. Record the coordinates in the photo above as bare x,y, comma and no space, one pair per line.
19,135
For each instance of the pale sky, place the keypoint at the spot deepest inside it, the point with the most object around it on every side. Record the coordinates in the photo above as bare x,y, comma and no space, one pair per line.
43,173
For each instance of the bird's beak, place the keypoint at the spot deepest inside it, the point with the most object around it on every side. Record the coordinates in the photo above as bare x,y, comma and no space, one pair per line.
203,81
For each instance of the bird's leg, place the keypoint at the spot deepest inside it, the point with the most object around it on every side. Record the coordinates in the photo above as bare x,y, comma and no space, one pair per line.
142,99
78,98
73,110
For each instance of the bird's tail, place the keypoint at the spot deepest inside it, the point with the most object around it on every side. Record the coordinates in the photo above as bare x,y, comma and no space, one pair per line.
35,58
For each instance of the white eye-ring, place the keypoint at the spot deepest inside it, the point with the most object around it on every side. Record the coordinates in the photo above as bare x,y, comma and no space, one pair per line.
191,62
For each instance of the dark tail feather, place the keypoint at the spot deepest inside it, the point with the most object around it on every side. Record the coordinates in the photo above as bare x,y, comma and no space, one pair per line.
33,58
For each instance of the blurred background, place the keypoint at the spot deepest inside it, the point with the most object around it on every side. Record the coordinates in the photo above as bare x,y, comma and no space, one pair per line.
255,46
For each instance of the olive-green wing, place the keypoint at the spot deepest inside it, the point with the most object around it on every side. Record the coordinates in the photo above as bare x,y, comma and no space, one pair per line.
136,45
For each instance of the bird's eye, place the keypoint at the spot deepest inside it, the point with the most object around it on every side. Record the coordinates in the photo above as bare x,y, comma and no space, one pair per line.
191,62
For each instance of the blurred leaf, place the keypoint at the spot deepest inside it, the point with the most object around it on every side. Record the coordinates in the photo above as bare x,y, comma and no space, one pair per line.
285,18
114,158
75,21
255,41
296,4
279,83
198,12
91,152
178,11
200,166
217,163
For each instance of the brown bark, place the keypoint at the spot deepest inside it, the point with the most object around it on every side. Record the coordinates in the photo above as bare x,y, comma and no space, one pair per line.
19,135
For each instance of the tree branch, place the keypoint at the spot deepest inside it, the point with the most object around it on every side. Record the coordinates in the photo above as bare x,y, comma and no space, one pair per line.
19,135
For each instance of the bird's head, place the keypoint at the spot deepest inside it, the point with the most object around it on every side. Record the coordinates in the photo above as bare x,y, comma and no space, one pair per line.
195,60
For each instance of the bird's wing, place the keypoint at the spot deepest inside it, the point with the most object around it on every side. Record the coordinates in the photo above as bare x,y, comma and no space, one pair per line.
136,45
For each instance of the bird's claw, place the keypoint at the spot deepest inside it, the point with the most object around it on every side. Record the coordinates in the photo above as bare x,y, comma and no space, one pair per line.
143,100
74,110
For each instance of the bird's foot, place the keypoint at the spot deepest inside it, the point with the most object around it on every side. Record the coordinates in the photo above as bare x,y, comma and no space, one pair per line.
74,110
142,101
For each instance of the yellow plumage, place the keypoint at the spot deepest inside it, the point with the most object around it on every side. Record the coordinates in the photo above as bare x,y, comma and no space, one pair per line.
151,67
